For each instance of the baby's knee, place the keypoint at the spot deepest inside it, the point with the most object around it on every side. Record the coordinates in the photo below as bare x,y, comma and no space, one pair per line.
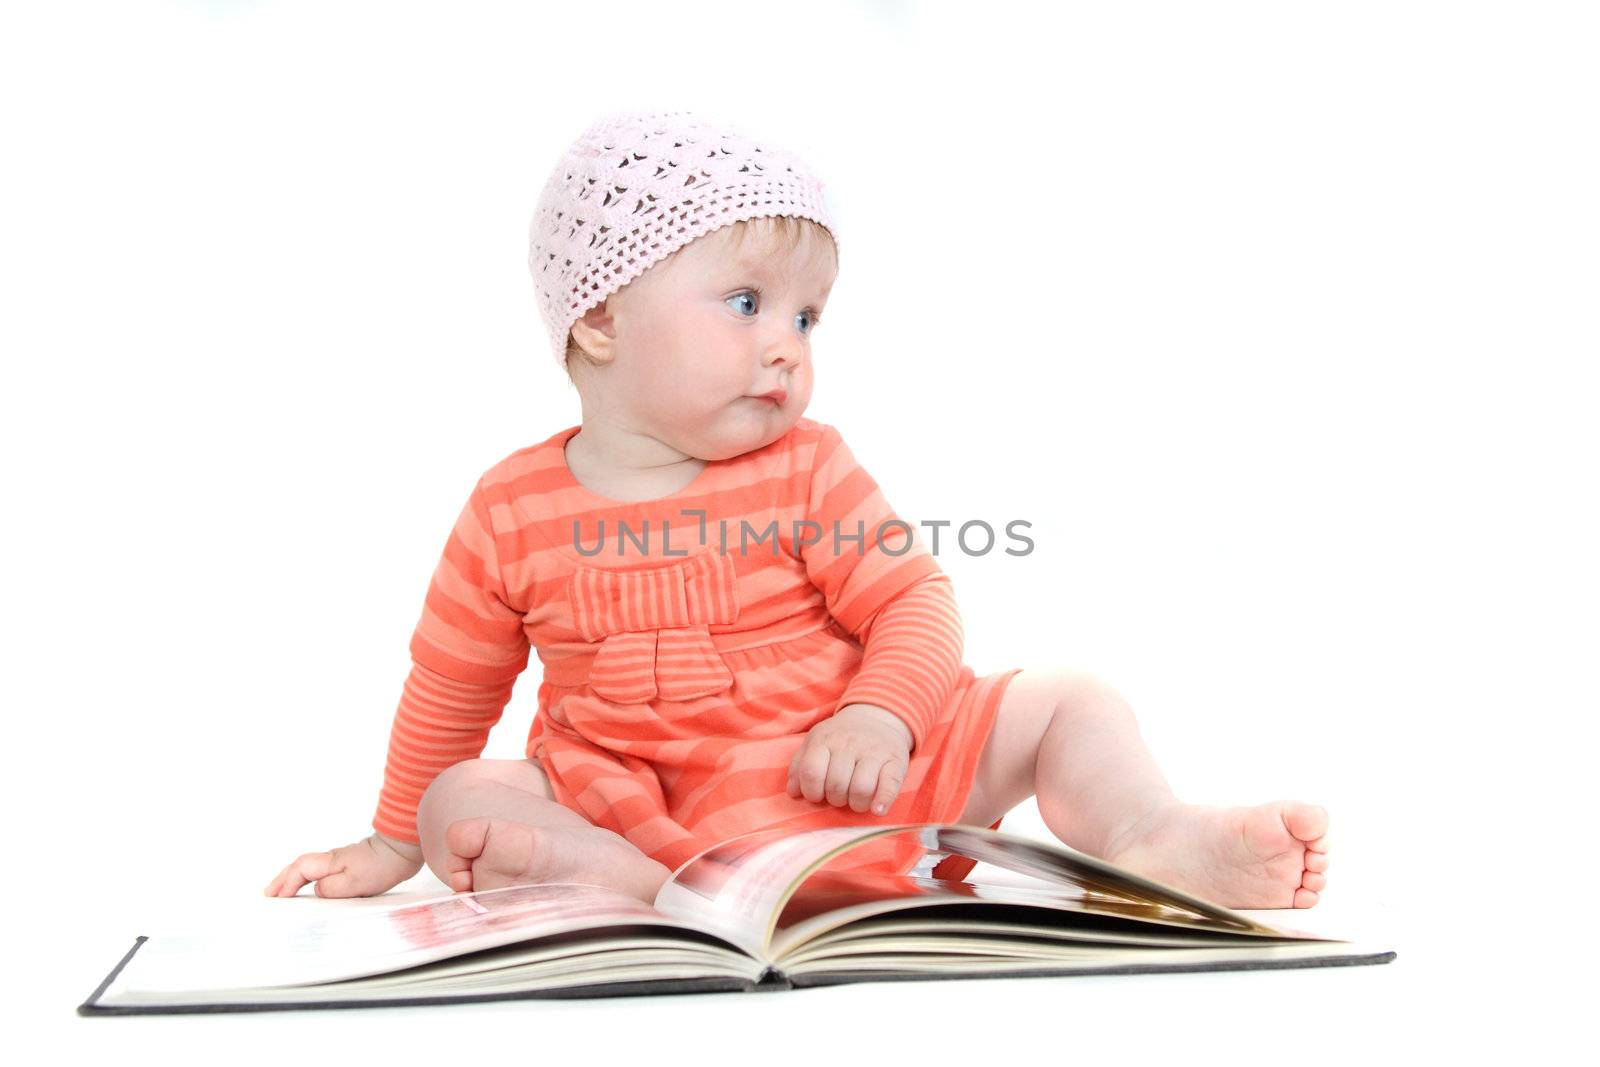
451,781
447,798
517,790
441,804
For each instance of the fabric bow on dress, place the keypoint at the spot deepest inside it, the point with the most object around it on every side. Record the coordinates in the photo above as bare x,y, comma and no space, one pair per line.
654,628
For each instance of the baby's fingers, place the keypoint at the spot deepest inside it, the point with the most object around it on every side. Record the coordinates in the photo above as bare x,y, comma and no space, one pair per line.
307,868
841,769
287,883
876,783
809,772
864,783
890,779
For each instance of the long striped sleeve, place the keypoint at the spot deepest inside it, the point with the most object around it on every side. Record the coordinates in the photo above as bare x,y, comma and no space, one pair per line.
440,722
883,585
912,656
467,650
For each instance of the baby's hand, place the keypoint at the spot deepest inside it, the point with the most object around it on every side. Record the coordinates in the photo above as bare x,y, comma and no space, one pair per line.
371,866
861,751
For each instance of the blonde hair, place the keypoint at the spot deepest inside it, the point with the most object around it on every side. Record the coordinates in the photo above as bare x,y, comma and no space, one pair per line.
782,233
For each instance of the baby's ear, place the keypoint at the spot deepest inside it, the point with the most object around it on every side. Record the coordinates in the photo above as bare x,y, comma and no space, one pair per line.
596,332
599,318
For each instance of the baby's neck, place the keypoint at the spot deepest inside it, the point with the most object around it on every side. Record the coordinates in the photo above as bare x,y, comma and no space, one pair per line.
628,466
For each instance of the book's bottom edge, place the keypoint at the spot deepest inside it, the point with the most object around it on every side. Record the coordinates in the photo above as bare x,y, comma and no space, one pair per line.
653,987
770,981
802,981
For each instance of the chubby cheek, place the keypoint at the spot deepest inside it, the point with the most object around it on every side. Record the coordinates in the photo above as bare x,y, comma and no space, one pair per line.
701,365
672,384
674,376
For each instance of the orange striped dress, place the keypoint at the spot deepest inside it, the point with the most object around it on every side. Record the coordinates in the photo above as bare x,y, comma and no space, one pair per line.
688,644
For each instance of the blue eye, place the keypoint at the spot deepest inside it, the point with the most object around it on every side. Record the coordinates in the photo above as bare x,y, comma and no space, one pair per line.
754,296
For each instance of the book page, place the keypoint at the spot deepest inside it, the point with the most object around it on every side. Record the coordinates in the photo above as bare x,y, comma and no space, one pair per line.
368,941
1057,863
736,889
762,890
827,900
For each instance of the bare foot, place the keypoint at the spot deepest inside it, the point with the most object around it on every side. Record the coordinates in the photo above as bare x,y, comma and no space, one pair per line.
488,853
1268,856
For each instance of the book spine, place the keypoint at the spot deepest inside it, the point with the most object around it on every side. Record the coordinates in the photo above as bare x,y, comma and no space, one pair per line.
772,978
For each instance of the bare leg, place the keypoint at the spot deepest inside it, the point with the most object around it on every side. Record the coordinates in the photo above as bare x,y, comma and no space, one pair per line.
491,823
1073,742
1095,779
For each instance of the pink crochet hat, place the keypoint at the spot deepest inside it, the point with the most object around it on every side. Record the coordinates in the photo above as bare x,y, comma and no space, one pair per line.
638,186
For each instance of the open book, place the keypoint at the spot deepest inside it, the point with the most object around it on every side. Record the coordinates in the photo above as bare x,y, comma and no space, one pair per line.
772,909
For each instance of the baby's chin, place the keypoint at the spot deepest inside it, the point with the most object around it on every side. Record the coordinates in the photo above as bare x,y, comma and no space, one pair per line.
744,427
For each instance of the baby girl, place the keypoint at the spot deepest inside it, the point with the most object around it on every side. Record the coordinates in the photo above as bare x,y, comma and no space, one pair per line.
736,630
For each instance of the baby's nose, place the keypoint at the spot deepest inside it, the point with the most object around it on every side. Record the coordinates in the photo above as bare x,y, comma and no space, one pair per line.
782,353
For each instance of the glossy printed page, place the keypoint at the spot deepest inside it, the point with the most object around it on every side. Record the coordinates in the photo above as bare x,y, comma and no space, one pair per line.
771,890
371,941
829,900
1058,865
737,888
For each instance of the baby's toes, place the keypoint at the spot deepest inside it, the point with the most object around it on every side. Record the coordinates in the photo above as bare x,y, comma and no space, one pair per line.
507,857
1304,898
1316,862
465,838
463,842
1314,882
1306,822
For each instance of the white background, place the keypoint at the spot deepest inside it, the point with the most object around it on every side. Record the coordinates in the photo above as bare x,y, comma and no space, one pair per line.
1277,321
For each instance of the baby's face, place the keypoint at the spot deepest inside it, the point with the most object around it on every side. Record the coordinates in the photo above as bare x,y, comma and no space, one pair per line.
701,335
